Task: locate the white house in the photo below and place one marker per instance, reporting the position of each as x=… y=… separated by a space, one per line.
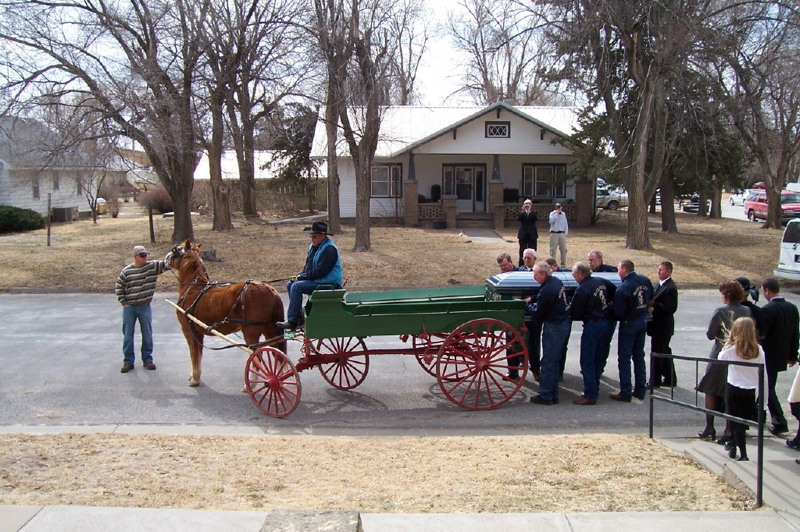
x=467 y=165
x=32 y=165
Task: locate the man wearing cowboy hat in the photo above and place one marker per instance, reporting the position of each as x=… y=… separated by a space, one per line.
x=323 y=267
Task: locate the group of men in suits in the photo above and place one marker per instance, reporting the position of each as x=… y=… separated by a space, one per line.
x=777 y=324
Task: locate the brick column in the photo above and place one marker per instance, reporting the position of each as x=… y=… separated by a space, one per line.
x=449 y=208
x=411 y=203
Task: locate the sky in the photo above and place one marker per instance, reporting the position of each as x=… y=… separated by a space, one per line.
x=439 y=73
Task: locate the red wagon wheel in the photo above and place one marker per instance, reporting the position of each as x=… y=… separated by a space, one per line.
x=473 y=361
x=346 y=371
x=272 y=382
x=427 y=347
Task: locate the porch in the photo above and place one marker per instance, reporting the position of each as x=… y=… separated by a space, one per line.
x=502 y=214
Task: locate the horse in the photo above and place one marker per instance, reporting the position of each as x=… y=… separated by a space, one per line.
x=252 y=307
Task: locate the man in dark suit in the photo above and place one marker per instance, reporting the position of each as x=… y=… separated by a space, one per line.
x=662 y=326
x=778 y=321
x=527 y=234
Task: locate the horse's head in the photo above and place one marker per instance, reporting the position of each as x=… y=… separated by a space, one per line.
x=185 y=260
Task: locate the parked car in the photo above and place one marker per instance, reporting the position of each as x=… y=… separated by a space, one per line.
x=611 y=199
x=738 y=197
x=692 y=204
x=788 y=257
x=756 y=209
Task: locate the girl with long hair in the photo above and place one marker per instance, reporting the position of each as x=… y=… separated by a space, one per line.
x=742 y=381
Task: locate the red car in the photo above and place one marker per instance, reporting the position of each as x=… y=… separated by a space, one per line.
x=756 y=208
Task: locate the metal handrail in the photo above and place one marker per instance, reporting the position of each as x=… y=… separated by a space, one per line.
x=760 y=399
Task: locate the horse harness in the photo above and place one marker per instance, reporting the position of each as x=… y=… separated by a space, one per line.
x=206 y=286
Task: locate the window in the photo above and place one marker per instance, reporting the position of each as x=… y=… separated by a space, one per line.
x=35 y=188
x=545 y=181
x=55 y=182
x=498 y=130
x=387 y=181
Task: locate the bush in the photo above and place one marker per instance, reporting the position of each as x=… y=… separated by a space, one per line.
x=13 y=219
x=158 y=198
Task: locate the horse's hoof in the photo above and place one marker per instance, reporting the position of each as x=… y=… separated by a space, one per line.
x=193 y=383
x=244 y=389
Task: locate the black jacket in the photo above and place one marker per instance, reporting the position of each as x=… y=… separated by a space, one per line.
x=779 y=321
x=665 y=304
x=527 y=225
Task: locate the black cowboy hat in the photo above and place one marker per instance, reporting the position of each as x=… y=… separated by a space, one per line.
x=318 y=228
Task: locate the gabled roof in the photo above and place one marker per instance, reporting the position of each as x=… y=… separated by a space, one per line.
x=28 y=143
x=404 y=128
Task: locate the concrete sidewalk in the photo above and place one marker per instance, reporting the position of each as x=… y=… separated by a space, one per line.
x=781 y=495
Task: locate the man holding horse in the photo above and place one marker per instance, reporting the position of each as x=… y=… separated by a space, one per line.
x=323 y=267
x=134 y=289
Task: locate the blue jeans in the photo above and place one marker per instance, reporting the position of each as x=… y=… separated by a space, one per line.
x=630 y=347
x=554 y=341
x=296 y=290
x=595 y=344
x=130 y=315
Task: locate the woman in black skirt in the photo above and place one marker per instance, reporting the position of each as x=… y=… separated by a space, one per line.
x=714 y=381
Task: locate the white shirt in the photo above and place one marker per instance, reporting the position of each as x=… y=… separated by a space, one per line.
x=745 y=377
x=558 y=222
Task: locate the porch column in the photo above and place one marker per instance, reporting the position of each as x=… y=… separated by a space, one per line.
x=411 y=195
x=496 y=186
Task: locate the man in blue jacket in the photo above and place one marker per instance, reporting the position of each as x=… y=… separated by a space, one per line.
x=591 y=304
x=323 y=267
x=631 y=302
x=552 y=311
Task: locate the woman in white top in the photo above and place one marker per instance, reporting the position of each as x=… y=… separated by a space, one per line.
x=740 y=400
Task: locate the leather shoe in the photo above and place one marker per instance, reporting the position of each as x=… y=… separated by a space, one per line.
x=778 y=429
x=639 y=397
x=287 y=325
x=793 y=443
x=513 y=376
x=584 y=401
x=126 y=368
x=539 y=400
x=619 y=397
x=149 y=365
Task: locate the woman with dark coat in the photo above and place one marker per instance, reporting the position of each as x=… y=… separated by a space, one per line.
x=714 y=382
x=527 y=234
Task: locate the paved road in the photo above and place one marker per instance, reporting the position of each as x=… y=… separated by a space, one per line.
x=60 y=359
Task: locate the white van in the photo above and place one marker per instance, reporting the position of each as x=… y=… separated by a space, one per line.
x=789 y=258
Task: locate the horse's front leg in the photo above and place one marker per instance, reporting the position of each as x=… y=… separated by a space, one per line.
x=196 y=355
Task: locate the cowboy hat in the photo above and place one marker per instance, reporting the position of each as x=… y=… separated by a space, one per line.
x=318 y=228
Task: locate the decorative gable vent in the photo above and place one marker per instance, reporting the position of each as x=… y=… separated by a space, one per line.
x=498 y=130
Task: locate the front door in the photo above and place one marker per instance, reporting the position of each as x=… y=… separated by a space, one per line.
x=468 y=184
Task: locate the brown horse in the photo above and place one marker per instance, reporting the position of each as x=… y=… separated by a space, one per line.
x=250 y=307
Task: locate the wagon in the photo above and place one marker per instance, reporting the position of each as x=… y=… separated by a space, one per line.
x=468 y=342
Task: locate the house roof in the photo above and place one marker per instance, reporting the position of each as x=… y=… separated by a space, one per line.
x=404 y=128
x=28 y=143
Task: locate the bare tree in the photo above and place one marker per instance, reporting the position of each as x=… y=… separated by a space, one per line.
x=135 y=60
x=507 y=51
x=411 y=30
x=759 y=81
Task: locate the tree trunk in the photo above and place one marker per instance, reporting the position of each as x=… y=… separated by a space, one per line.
x=364 y=171
x=637 y=236
x=668 y=224
x=219 y=190
x=331 y=121
x=247 y=169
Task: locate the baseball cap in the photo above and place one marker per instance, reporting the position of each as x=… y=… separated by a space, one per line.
x=558 y=205
x=139 y=250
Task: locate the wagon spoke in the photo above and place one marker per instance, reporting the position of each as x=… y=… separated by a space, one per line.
x=351 y=365
x=473 y=360
x=272 y=382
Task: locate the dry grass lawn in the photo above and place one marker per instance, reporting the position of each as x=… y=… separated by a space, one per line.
x=575 y=473
x=568 y=473
x=87 y=256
